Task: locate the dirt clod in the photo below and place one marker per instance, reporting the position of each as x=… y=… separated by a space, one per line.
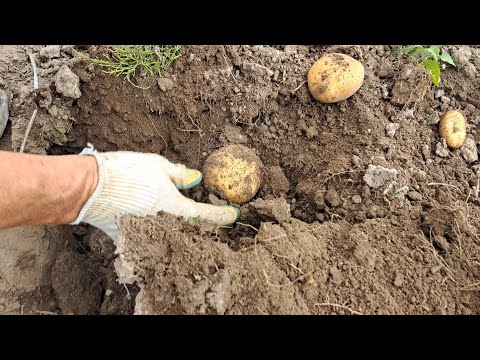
x=276 y=209
x=391 y=129
x=165 y=84
x=277 y=179
x=332 y=198
x=441 y=149
x=50 y=52
x=414 y=196
x=469 y=150
x=377 y=176
x=67 y=83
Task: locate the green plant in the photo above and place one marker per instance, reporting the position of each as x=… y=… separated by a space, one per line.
x=192 y=220
x=127 y=60
x=400 y=192
x=57 y=133
x=430 y=59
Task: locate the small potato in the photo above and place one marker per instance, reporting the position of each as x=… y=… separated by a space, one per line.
x=453 y=128
x=335 y=77
x=234 y=172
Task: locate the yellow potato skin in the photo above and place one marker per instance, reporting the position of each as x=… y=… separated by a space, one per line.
x=335 y=77
x=234 y=172
x=453 y=128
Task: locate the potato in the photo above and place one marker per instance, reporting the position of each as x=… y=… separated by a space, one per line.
x=453 y=128
x=335 y=77
x=234 y=172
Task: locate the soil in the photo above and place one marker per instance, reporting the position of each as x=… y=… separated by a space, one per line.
x=362 y=210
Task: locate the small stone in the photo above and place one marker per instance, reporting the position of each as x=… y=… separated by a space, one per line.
x=469 y=150
x=68 y=49
x=399 y=279
x=276 y=75
x=320 y=217
x=426 y=152
x=336 y=275
x=377 y=176
x=414 y=196
x=332 y=198
x=108 y=292
x=439 y=93
x=433 y=119
x=236 y=90
x=277 y=209
x=67 y=83
x=409 y=114
x=385 y=93
x=53 y=110
x=50 y=52
x=357 y=199
x=216 y=201
x=391 y=128
x=441 y=149
x=445 y=99
x=413 y=299
x=311 y=132
x=165 y=84
x=356 y=160
x=302 y=125
x=3 y=111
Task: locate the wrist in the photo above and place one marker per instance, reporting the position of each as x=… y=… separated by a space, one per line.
x=75 y=187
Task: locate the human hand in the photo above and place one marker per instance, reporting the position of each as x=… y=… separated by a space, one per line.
x=143 y=184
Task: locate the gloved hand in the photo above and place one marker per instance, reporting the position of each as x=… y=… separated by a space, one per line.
x=144 y=184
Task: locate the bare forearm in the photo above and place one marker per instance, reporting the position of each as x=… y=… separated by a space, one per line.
x=38 y=189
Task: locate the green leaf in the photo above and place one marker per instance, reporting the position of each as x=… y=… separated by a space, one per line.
x=57 y=133
x=400 y=192
x=415 y=51
x=445 y=57
x=434 y=69
x=394 y=52
x=192 y=220
x=409 y=49
x=435 y=51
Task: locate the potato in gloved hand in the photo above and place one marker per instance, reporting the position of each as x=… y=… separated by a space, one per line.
x=143 y=184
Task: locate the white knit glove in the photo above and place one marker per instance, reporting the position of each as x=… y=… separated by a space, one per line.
x=144 y=184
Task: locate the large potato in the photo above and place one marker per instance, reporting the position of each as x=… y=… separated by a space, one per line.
x=335 y=77
x=234 y=172
x=453 y=128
